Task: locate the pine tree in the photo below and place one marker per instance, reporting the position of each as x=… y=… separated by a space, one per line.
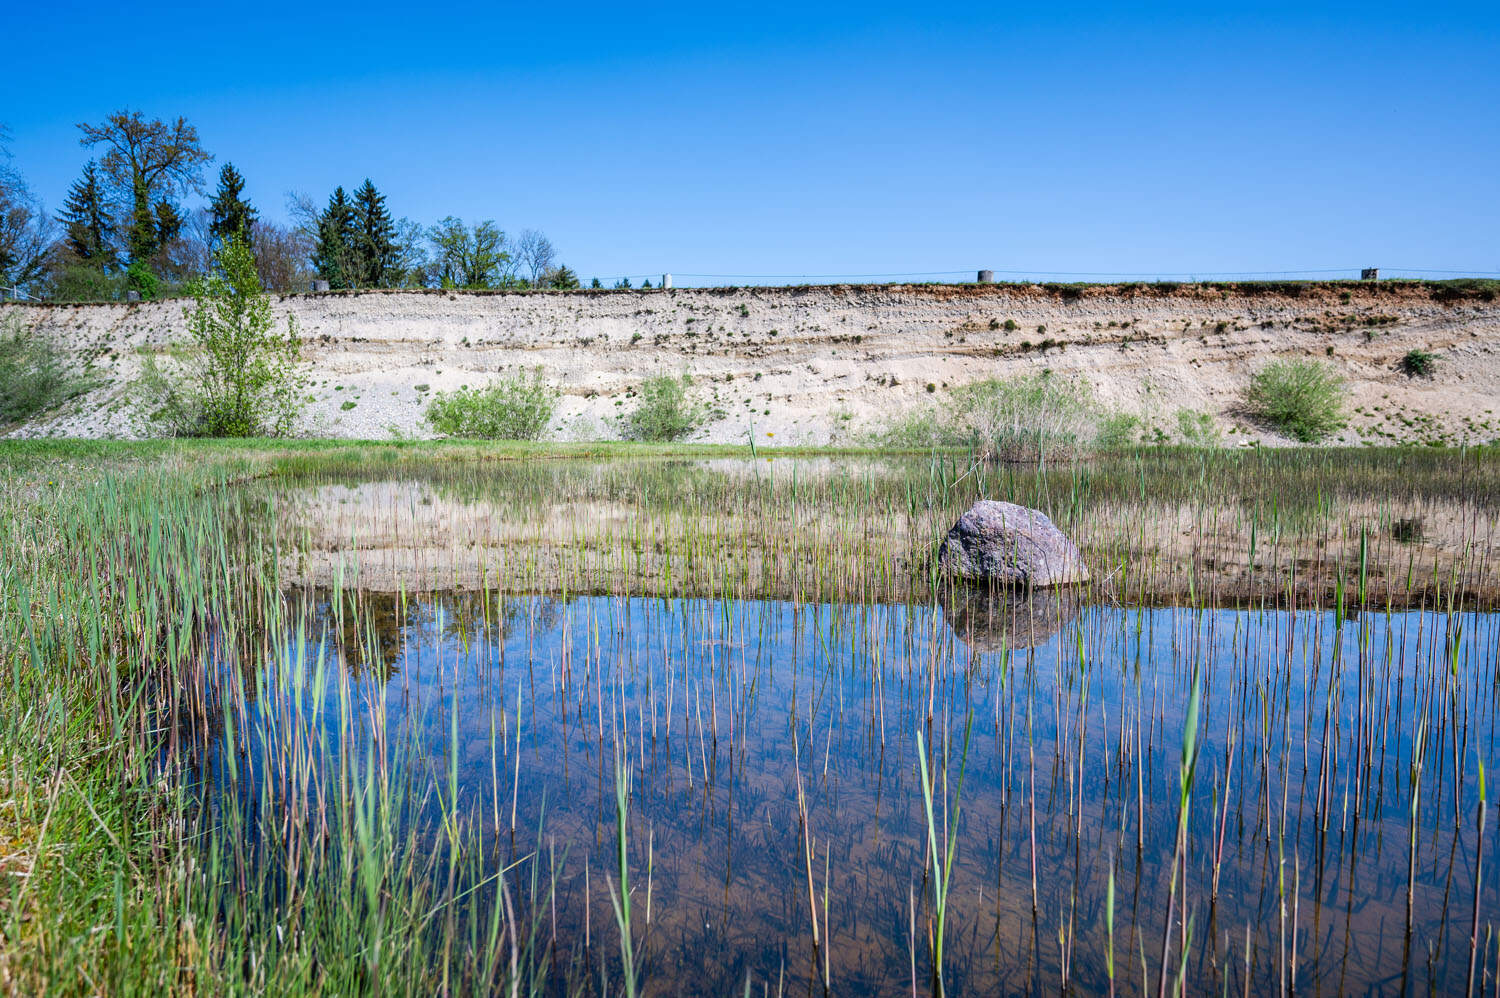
x=375 y=249
x=168 y=223
x=231 y=215
x=561 y=278
x=87 y=221
x=334 y=255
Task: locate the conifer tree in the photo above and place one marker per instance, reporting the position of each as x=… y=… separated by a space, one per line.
x=168 y=223
x=375 y=249
x=231 y=215
x=87 y=221
x=334 y=254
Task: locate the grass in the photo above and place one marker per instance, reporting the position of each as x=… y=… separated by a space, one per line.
x=105 y=739
x=1029 y=418
x=34 y=375
x=157 y=655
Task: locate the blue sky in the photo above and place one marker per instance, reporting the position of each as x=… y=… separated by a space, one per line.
x=802 y=139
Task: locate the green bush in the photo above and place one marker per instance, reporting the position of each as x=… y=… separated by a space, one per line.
x=1302 y=398
x=1027 y=418
x=664 y=411
x=1419 y=363
x=34 y=375
x=513 y=408
x=140 y=277
x=238 y=376
x=79 y=282
x=1118 y=431
x=1198 y=428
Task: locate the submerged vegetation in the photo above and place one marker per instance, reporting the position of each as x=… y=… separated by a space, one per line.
x=265 y=730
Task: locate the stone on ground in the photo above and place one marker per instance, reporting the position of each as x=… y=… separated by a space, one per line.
x=1009 y=545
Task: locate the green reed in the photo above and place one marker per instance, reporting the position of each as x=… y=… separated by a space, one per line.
x=198 y=802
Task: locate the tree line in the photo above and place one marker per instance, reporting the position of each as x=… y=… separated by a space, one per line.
x=124 y=227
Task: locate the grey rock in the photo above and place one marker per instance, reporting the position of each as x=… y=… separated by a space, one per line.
x=1009 y=545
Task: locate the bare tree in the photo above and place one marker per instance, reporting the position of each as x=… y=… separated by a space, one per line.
x=411 y=261
x=281 y=256
x=26 y=230
x=536 y=253
x=304 y=211
x=196 y=244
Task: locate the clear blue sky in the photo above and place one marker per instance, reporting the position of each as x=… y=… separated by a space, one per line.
x=818 y=139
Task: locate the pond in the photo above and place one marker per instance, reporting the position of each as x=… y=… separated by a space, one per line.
x=1245 y=760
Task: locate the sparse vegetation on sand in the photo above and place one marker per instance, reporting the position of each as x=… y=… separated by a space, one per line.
x=515 y=408
x=1302 y=398
x=35 y=375
x=1028 y=418
x=665 y=410
x=1419 y=363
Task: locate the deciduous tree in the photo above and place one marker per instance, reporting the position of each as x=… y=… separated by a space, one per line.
x=281 y=255
x=146 y=163
x=25 y=228
x=468 y=258
x=244 y=377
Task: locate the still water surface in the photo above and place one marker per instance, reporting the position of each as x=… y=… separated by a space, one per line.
x=776 y=797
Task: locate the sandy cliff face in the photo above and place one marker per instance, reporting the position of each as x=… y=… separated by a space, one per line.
x=813 y=365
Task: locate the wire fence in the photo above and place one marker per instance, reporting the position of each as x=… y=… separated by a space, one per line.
x=675 y=279
x=1036 y=277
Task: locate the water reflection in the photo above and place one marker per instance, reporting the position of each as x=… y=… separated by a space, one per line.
x=992 y=619
x=1297 y=841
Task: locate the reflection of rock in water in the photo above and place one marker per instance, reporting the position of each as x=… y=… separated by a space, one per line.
x=987 y=619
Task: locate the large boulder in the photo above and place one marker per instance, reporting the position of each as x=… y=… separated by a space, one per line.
x=1009 y=545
